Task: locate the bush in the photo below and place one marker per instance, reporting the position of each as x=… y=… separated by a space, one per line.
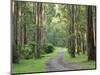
x=49 y=48
x=28 y=51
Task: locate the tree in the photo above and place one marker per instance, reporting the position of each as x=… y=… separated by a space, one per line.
x=38 y=29
x=90 y=35
x=15 y=52
x=94 y=24
x=73 y=31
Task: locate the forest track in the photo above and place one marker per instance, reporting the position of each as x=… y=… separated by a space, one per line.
x=58 y=63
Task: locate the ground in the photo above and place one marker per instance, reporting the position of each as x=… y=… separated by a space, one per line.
x=58 y=63
x=59 y=60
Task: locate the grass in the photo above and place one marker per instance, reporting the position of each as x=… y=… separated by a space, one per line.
x=33 y=65
x=38 y=65
x=80 y=60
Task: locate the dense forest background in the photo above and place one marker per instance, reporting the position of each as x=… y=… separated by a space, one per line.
x=37 y=28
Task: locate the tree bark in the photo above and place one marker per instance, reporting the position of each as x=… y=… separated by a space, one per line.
x=38 y=29
x=73 y=32
x=14 y=33
x=25 y=35
x=90 y=35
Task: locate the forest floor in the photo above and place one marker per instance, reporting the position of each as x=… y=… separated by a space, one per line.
x=58 y=60
x=33 y=65
x=58 y=64
x=61 y=63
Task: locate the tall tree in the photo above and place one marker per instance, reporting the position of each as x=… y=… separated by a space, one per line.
x=90 y=35
x=24 y=25
x=73 y=31
x=94 y=24
x=77 y=32
x=14 y=33
x=38 y=29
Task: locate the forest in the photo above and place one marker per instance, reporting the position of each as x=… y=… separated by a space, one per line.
x=50 y=37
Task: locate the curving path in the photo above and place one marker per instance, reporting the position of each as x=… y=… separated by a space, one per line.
x=57 y=63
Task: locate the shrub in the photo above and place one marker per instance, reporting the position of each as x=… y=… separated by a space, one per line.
x=28 y=50
x=49 y=48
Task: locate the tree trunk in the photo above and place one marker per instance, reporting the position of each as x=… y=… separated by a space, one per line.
x=20 y=26
x=77 y=25
x=14 y=33
x=90 y=35
x=25 y=36
x=38 y=30
x=73 y=33
x=83 y=46
x=94 y=25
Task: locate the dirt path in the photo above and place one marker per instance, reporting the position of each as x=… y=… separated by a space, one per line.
x=57 y=63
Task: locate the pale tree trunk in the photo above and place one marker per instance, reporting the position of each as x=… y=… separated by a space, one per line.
x=38 y=29
x=77 y=34
x=44 y=27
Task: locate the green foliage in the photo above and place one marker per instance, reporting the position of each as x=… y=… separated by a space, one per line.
x=28 y=51
x=49 y=48
x=33 y=65
x=81 y=60
x=56 y=29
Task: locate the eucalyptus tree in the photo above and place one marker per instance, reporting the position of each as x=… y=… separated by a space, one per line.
x=90 y=34
x=38 y=29
x=15 y=16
